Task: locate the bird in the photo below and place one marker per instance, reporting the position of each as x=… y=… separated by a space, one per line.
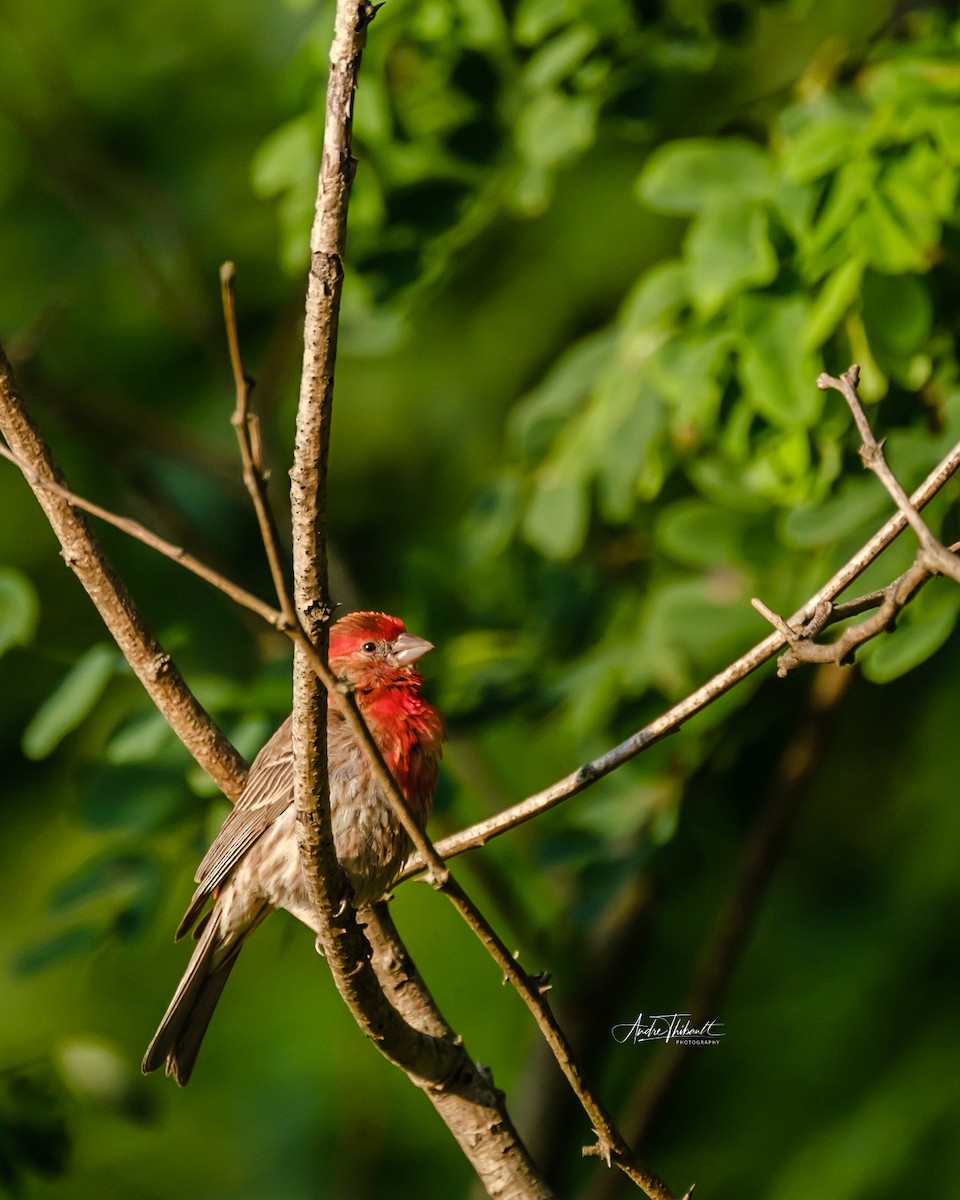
x=253 y=864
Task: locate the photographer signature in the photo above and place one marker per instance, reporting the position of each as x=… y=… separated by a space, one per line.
x=668 y=1027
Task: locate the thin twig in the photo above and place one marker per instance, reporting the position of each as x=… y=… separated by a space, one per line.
x=473 y=1107
x=140 y=533
x=871 y=452
x=84 y=555
x=933 y=558
x=828 y=613
x=587 y=1007
x=888 y=602
x=381 y=1002
x=247 y=427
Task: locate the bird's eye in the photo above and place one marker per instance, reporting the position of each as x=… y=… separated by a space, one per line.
x=368 y=647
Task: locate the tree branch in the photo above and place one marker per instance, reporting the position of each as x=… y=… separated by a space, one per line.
x=936 y=557
x=932 y=559
x=343 y=944
x=475 y=836
x=309 y=472
x=473 y=1108
x=312 y=605
x=152 y=665
x=247 y=427
x=140 y=533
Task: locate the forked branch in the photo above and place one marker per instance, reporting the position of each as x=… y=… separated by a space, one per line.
x=933 y=558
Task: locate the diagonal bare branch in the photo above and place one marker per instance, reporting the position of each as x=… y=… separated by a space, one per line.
x=152 y=665
x=140 y=533
x=935 y=555
x=475 y=836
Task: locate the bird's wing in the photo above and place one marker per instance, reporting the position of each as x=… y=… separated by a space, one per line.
x=265 y=797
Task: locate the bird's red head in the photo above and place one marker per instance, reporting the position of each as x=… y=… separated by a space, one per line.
x=374 y=653
x=369 y=644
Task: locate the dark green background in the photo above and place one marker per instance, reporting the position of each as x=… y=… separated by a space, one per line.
x=571 y=475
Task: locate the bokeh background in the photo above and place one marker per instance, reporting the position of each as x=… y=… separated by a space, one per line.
x=598 y=254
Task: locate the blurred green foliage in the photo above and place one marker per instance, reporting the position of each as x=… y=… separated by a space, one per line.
x=599 y=253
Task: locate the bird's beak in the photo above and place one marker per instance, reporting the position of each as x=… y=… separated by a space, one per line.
x=407 y=649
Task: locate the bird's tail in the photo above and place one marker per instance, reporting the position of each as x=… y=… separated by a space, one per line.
x=177 y=1041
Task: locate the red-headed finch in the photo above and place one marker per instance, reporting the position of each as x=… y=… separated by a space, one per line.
x=253 y=865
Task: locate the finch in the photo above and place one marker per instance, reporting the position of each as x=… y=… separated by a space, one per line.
x=253 y=865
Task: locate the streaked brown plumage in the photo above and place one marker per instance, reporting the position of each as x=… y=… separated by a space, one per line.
x=253 y=865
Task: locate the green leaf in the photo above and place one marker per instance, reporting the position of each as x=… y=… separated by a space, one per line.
x=555 y=59
x=555 y=522
x=777 y=371
x=19 y=609
x=690 y=175
x=285 y=166
x=77 y=942
x=795 y=206
x=833 y=302
x=95 y=1071
x=944 y=124
x=924 y=627
x=33 y=1128
x=143 y=739
x=697 y=534
x=921 y=181
x=482 y=670
x=536 y=19
x=285 y=157
x=844 y=198
x=780 y=467
x=628 y=417
x=67 y=706
x=907 y=82
x=727 y=249
x=855 y=508
x=107 y=873
x=492 y=521
x=886 y=241
x=897 y=314
x=722 y=483
x=690 y=373
x=627 y=801
x=656 y=299
x=705 y=620
x=819 y=137
x=134 y=796
x=543 y=412
x=554 y=128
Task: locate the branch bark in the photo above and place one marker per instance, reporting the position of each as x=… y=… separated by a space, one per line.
x=322 y=875
x=473 y=1108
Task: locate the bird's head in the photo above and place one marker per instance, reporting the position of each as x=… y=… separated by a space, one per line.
x=368 y=648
